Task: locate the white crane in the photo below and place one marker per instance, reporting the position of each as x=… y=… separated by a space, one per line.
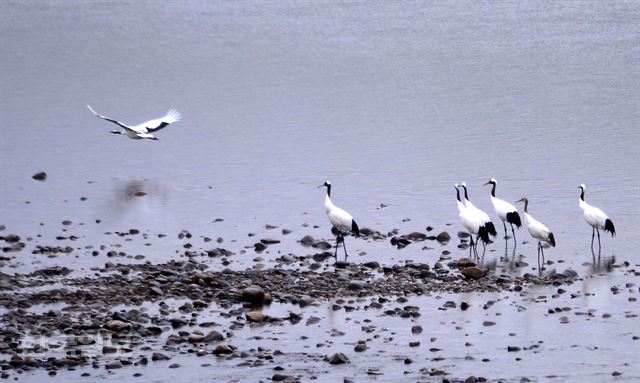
x=145 y=129
x=342 y=221
x=537 y=230
x=486 y=227
x=596 y=218
x=504 y=210
x=469 y=221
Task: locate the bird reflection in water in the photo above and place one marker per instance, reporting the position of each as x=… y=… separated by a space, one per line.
x=601 y=264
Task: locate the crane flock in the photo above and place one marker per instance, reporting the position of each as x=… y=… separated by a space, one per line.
x=475 y=221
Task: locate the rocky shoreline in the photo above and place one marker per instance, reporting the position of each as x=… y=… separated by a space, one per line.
x=91 y=301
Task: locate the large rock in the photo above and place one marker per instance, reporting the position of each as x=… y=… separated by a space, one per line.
x=443 y=237
x=256 y=316
x=253 y=294
x=465 y=262
x=117 y=325
x=213 y=336
x=474 y=272
x=222 y=349
x=338 y=358
x=159 y=356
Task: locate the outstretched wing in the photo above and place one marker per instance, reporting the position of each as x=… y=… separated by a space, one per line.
x=108 y=119
x=160 y=123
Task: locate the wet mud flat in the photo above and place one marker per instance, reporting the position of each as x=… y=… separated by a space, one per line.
x=287 y=324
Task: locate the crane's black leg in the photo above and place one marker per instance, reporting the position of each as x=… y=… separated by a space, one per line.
x=513 y=232
x=505 y=229
x=593 y=234
x=599 y=247
x=335 y=255
x=471 y=245
x=345 y=249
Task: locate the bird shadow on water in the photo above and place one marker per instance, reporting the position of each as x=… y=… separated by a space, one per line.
x=127 y=195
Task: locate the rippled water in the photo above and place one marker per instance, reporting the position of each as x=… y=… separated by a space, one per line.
x=393 y=102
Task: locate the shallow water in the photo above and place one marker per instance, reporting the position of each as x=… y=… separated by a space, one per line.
x=393 y=102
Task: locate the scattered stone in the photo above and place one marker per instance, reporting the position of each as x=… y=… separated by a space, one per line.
x=474 y=272
x=40 y=176
x=338 y=358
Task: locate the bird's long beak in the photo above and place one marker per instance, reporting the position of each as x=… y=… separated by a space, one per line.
x=486 y=183
x=320 y=186
x=520 y=200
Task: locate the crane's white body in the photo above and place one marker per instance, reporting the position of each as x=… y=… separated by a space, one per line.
x=502 y=208
x=537 y=229
x=145 y=129
x=594 y=216
x=338 y=218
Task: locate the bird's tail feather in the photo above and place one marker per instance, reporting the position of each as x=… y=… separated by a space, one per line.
x=173 y=116
x=552 y=240
x=355 y=229
x=483 y=232
x=491 y=229
x=514 y=218
x=608 y=226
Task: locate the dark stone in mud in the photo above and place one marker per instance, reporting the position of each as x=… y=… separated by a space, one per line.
x=322 y=245
x=113 y=365
x=338 y=358
x=372 y=265
x=294 y=318
x=513 y=348
x=222 y=349
x=416 y=236
x=174 y=339
x=305 y=301
x=159 y=356
x=465 y=262
x=474 y=272
x=279 y=377
x=414 y=344
x=40 y=176
x=360 y=347
x=213 y=336
x=408 y=361
x=307 y=240
x=443 y=237
x=357 y=285
x=464 y=306
x=11 y=238
x=259 y=246
x=253 y=294
x=269 y=241
x=417 y=329
x=53 y=271
x=341 y=264
x=488 y=323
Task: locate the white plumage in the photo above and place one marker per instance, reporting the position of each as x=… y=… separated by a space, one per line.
x=595 y=217
x=486 y=227
x=504 y=210
x=342 y=221
x=537 y=229
x=469 y=221
x=145 y=129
